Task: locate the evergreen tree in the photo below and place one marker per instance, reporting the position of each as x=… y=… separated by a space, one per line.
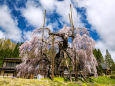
x=16 y=50
x=108 y=60
x=99 y=57
x=5 y=53
x=113 y=67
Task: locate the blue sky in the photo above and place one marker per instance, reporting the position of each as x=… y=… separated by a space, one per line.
x=15 y=5
x=18 y=18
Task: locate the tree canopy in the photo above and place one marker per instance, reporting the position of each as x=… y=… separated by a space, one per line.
x=100 y=60
x=36 y=49
x=108 y=59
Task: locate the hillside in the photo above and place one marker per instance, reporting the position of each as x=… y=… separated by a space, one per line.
x=4 y=44
x=8 y=49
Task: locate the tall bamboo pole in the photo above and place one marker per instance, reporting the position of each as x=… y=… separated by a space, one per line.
x=43 y=32
x=71 y=22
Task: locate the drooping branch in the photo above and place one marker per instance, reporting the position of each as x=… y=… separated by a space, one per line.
x=65 y=40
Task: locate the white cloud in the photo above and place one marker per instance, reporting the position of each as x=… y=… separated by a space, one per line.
x=101 y=14
x=8 y=25
x=27 y=35
x=2 y=35
x=33 y=14
x=52 y=25
x=113 y=55
x=102 y=46
x=49 y=4
x=63 y=9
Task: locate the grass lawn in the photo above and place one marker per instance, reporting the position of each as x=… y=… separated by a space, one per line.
x=100 y=81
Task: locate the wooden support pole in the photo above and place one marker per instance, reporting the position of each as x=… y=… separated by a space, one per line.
x=75 y=69
x=57 y=34
x=83 y=76
x=52 y=60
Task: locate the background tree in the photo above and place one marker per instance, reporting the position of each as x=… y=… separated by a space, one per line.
x=7 y=44
x=108 y=60
x=83 y=44
x=113 y=67
x=99 y=57
x=15 y=52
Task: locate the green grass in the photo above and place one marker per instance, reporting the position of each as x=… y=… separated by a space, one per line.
x=104 y=80
x=58 y=81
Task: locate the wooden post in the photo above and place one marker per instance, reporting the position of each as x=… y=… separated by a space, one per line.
x=2 y=72
x=75 y=69
x=32 y=76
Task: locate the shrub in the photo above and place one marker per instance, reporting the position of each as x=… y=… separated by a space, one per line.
x=113 y=67
x=60 y=79
x=112 y=76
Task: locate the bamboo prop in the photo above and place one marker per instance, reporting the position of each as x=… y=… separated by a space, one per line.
x=72 y=25
x=71 y=21
x=44 y=25
x=67 y=64
x=75 y=69
x=83 y=76
x=43 y=32
x=42 y=35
